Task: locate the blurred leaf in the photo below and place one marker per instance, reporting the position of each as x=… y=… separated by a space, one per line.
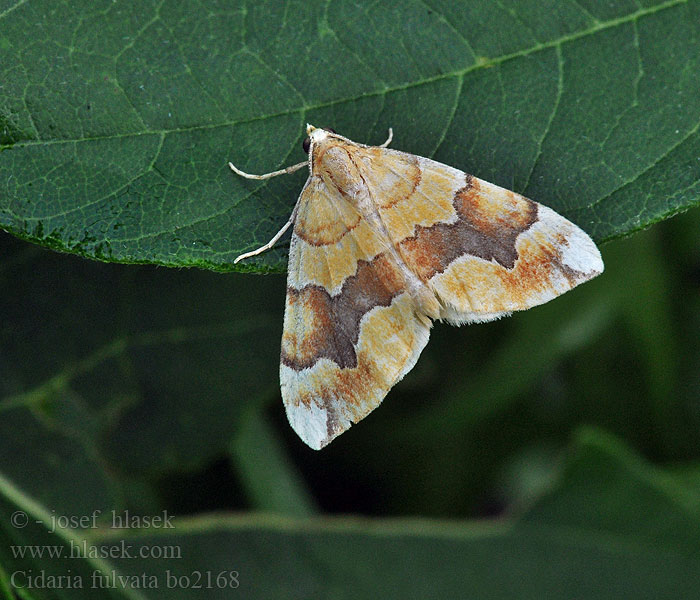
x=611 y=526
x=115 y=130
x=113 y=374
x=44 y=563
x=607 y=489
x=646 y=309
x=266 y=471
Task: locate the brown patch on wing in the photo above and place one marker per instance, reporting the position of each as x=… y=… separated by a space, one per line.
x=488 y=227
x=532 y=275
x=472 y=287
x=325 y=326
x=356 y=384
x=494 y=210
x=391 y=339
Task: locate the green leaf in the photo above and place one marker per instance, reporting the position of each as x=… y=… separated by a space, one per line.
x=610 y=526
x=266 y=471
x=110 y=374
x=116 y=123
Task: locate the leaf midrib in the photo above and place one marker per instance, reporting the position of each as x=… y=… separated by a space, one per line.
x=480 y=64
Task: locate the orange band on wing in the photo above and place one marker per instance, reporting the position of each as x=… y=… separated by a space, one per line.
x=325 y=326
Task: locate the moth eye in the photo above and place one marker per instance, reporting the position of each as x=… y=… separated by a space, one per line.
x=329 y=130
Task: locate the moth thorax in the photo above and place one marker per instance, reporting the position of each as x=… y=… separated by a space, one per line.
x=338 y=169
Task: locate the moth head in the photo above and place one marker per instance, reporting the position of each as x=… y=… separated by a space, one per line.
x=315 y=135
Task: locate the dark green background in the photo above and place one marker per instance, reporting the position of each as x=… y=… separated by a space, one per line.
x=553 y=454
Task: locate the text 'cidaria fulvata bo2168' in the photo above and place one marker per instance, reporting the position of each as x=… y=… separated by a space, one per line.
x=383 y=243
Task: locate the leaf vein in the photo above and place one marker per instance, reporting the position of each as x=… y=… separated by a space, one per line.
x=423 y=81
x=555 y=108
x=450 y=118
x=641 y=173
x=8 y=10
x=451 y=26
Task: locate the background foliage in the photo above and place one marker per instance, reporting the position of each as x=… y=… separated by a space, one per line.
x=552 y=454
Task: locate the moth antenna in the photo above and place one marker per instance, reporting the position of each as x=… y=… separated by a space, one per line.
x=284 y=171
x=388 y=140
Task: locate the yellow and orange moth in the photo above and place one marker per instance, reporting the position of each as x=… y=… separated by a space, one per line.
x=385 y=242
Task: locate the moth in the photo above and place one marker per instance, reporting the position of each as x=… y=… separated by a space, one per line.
x=384 y=243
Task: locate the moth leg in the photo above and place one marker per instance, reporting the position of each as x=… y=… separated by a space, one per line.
x=287 y=225
x=273 y=241
x=284 y=171
x=388 y=140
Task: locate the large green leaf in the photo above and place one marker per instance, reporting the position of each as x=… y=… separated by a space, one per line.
x=612 y=526
x=117 y=119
